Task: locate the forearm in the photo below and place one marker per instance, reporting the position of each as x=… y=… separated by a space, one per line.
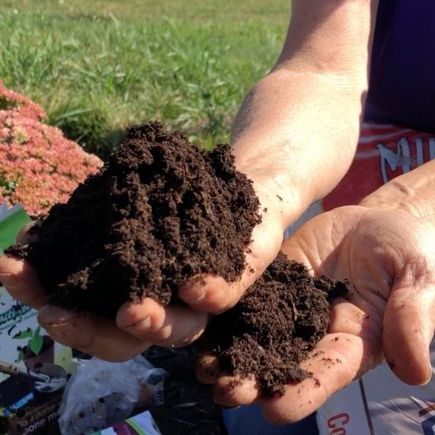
x=412 y=192
x=289 y=133
x=306 y=112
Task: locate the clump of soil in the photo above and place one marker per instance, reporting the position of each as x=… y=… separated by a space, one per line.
x=274 y=326
x=159 y=212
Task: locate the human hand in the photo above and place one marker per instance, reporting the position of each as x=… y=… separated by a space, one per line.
x=169 y=326
x=388 y=257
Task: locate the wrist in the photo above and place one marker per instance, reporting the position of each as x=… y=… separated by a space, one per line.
x=284 y=196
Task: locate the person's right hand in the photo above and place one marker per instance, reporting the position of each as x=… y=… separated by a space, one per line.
x=388 y=259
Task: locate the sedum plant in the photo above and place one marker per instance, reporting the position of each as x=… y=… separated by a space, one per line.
x=39 y=167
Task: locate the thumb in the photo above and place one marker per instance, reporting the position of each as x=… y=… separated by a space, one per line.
x=212 y=294
x=21 y=281
x=408 y=331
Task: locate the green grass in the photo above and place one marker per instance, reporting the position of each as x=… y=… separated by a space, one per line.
x=98 y=66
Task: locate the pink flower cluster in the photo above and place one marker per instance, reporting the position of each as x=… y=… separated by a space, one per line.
x=39 y=167
x=13 y=101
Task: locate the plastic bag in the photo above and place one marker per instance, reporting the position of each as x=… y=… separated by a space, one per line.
x=100 y=393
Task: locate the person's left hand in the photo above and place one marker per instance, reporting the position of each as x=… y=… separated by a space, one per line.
x=139 y=325
x=388 y=258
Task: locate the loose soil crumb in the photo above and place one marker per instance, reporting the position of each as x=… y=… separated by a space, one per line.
x=274 y=326
x=159 y=212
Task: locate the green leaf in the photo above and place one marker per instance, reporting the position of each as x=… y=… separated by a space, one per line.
x=11 y=225
x=28 y=333
x=36 y=342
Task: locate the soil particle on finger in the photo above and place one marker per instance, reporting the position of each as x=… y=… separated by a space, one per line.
x=274 y=326
x=159 y=212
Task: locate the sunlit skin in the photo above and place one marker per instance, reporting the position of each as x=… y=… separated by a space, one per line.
x=274 y=147
x=295 y=137
x=388 y=260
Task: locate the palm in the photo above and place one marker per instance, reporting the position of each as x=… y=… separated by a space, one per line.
x=388 y=260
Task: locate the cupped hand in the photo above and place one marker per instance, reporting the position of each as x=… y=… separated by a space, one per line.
x=139 y=325
x=388 y=259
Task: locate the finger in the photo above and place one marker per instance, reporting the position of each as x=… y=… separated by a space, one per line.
x=213 y=294
x=207 y=369
x=166 y=326
x=21 y=281
x=408 y=330
x=346 y=317
x=336 y=361
x=232 y=391
x=347 y=321
x=90 y=334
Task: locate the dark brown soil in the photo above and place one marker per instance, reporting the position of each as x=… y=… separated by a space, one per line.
x=274 y=326
x=160 y=211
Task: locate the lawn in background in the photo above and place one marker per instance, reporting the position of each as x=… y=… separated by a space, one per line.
x=97 y=66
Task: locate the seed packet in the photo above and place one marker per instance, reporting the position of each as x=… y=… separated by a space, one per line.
x=33 y=368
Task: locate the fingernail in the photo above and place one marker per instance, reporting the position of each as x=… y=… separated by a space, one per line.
x=142 y=325
x=54 y=316
x=193 y=291
x=145 y=323
x=194 y=295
